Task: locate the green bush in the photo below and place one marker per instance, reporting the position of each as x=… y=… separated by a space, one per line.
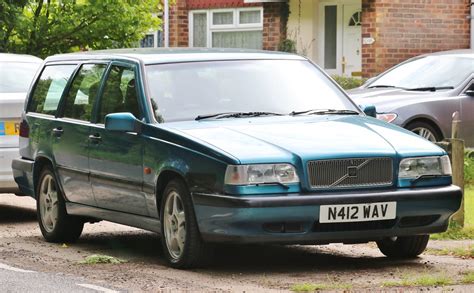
x=469 y=167
x=348 y=83
x=288 y=46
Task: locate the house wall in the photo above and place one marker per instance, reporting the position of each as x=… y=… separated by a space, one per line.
x=274 y=22
x=302 y=27
x=406 y=28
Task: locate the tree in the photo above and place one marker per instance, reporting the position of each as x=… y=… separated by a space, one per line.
x=46 y=27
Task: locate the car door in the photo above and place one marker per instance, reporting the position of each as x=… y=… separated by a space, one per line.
x=467 y=116
x=116 y=158
x=71 y=132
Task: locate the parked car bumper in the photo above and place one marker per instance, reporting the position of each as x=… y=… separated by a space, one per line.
x=23 y=175
x=7 y=183
x=294 y=219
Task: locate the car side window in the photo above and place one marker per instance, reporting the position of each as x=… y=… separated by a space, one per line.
x=83 y=92
x=120 y=93
x=49 y=88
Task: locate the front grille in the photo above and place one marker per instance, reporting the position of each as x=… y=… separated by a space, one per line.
x=357 y=226
x=343 y=173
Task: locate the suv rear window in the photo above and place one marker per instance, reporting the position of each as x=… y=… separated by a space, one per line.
x=49 y=88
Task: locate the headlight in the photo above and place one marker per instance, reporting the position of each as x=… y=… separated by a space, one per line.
x=260 y=174
x=387 y=117
x=425 y=166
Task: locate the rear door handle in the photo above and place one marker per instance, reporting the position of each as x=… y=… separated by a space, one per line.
x=95 y=138
x=58 y=131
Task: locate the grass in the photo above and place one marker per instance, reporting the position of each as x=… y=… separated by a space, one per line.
x=101 y=259
x=308 y=287
x=421 y=281
x=468 y=278
x=457 y=251
x=459 y=233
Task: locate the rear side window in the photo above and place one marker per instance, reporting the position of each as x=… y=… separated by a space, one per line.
x=49 y=88
x=83 y=92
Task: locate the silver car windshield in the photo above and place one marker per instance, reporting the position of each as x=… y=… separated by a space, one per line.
x=428 y=72
x=184 y=91
x=16 y=77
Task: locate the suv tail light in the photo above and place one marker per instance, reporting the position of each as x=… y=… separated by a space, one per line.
x=24 y=129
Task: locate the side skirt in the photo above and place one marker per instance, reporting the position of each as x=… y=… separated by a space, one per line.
x=146 y=223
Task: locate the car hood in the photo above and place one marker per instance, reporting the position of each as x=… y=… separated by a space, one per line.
x=387 y=99
x=295 y=139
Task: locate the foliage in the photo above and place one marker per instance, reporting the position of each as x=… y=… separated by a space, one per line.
x=101 y=259
x=468 y=278
x=288 y=46
x=424 y=281
x=456 y=232
x=348 y=83
x=461 y=252
x=469 y=167
x=43 y=28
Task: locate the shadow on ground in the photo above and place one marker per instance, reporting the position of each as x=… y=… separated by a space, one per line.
x=12 y=214
x=145 y=247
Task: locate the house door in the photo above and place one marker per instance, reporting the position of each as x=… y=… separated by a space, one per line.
x=340 y=37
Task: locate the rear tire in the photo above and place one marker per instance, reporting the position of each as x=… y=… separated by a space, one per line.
x=180 y=236
x=54 y=222
x=404 y=247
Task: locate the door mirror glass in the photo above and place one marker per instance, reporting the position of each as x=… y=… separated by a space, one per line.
x=369 y=110
x=123 y=122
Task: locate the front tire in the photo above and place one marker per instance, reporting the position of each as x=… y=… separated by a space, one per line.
x=180 y=237
x=54 y=222
x=404 y=247
x=425 y=130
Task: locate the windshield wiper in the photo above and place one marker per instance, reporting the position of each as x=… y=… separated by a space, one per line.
x=383 y=86
x=236 y=115
x=431 y=88
x=324 y=112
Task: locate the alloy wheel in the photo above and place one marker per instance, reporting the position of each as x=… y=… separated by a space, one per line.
x=425 y=133
x=48 y=198
x=174 y=222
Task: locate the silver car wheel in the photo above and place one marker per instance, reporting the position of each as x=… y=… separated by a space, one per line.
x=48 y=202
x=174 y=224
x=425 y=133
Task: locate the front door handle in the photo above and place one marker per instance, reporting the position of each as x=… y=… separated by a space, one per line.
x=58 y=131
x=95 y=138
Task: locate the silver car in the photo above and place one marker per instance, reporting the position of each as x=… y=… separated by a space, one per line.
x=16 y=74
x=422 y=93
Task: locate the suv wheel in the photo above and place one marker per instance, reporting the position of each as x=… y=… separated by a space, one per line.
x=180 y=237
x=403 y=247
x=54 y=222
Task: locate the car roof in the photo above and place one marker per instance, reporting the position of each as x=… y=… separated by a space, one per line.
x=9 y=57
x=172 y=55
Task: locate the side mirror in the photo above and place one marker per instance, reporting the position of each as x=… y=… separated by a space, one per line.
x=369 y=110
x=123 y=122
x=469 y=93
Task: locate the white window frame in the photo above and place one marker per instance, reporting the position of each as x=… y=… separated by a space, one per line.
x=234 y=27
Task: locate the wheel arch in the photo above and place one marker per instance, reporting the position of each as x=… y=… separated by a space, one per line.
x=162 y=180
x=428 y=121
x=40 y=163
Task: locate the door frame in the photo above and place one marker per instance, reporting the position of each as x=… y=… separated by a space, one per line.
x=339 y=32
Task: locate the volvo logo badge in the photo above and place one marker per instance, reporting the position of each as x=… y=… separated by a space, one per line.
x=352 y=171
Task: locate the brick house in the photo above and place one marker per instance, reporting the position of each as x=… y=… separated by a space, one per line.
x=345 y=37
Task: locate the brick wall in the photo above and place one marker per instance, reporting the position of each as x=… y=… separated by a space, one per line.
x=406 y=28
x=274 y=20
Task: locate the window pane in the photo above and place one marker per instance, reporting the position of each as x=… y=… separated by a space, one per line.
x=220 y=18
x=15 y=77
x=330 y=37
x=244 y=39
x=49 y=88
x=83 y=92
x=120 y=93
x=200 y=30
x=148 y=41
x=250 y=16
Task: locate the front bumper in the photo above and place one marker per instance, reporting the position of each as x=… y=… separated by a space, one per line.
x=294 y=218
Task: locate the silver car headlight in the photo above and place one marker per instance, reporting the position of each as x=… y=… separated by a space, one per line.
x=260 y=174
x=425 y=166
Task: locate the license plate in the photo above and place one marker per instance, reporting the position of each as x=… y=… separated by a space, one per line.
x=9 y=128
x=358 y=212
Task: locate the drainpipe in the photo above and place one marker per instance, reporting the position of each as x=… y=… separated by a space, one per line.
x=166 y=21
x=472 y=24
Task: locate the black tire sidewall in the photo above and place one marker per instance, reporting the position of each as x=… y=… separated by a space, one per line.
x=420 y=124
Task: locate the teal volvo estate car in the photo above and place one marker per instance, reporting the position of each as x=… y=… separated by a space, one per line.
x=207 y=146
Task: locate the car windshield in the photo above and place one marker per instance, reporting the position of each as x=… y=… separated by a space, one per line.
x=444 y=72
x=15 y=77
x=186 y=91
